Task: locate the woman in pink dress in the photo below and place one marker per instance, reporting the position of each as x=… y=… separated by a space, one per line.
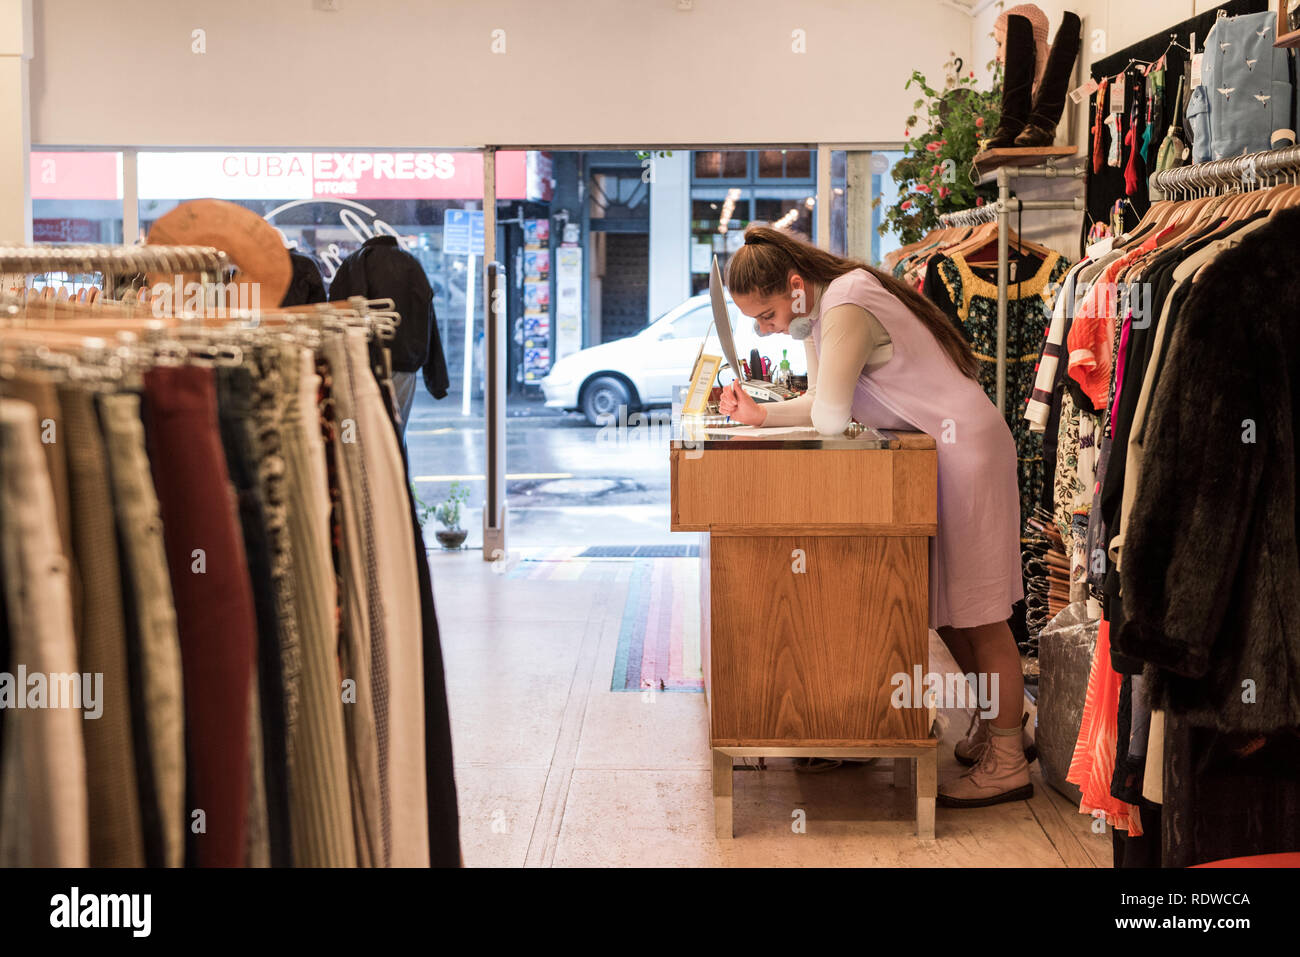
x=880 y=353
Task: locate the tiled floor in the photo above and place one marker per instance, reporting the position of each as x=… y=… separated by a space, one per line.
x=554 y=769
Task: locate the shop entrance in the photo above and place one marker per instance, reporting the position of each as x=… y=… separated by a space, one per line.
x=629 y=241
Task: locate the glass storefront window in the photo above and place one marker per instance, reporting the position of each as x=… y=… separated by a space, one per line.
x=795 y=215
x=717 y=229
x=76 y=197
x=785 y=164
x=326 y=205
x=773 y=186
x=883 y=186
x=721 y=164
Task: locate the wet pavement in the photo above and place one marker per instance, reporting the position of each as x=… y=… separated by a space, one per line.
x=568 y=483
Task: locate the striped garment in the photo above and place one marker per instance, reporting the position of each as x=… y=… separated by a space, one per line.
x=1039 y=408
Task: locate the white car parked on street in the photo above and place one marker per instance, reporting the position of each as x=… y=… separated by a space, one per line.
x=640 y=371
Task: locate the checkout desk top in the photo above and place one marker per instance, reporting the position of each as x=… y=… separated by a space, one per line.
x=709 y=432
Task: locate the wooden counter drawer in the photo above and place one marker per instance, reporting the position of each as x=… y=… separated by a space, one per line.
x=822 y=491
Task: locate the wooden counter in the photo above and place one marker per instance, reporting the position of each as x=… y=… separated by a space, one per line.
x=814 y=594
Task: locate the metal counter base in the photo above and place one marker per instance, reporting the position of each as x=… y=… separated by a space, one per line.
x=924 y=756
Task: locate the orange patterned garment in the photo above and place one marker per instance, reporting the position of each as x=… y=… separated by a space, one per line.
x=1093 y=763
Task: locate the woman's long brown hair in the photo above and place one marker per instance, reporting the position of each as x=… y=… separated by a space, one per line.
x=762 y=267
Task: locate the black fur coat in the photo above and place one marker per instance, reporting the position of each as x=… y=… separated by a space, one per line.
x=1211 y=570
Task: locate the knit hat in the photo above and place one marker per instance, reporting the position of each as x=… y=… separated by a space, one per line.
x=1038 y=23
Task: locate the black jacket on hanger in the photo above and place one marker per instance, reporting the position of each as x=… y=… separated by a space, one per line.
x=306 y=285
x=1211 y=570
x=381 y=269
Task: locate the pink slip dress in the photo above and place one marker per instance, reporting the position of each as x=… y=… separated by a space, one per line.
x=975 y=573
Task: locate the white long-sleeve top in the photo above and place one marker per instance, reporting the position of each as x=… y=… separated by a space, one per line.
x=853 y=342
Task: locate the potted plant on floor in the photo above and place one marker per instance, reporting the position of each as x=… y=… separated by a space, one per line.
x=447 y=512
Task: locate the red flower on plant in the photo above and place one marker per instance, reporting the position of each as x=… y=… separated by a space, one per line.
x=944 y=192
x=979 y=122
x=922 y=188
x=933 y=147
x=905 y=205
x=979 y=200
x=934 y=171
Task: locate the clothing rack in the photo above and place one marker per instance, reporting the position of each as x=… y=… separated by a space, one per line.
x=1000 y=212
x=1002 y=209
x=119 y=260
x=212 y=265
x=973 y=216
x=1239 y=173
x=84 y=356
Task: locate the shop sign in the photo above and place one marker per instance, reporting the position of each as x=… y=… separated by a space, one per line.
x=379 y=175
x=65 y=231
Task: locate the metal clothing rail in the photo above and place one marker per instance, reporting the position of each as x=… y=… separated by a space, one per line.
x=118 y=260
x=1007 y=204
x=973 y=216
x=1000 y=212
x=1239 y=173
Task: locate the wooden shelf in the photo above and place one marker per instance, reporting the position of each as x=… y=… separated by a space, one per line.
x=1291 y=39
x=1020 y=156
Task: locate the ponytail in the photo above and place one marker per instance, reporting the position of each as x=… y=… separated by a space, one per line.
x=762 y=267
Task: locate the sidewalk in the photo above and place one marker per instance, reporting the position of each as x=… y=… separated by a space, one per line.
x=429 y=412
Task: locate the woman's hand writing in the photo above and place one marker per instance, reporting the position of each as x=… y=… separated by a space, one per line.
x=738 y=404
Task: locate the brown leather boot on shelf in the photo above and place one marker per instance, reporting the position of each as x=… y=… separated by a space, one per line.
x=969 y=750
x=1002 y=774
x=1017 y=84
x=1049 y=104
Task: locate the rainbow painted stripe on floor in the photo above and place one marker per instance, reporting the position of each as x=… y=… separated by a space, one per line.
x=659 y=635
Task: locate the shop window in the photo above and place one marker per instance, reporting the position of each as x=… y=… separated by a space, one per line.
x=794 y=215
x=717 y=229
x=721 y=164
x=616 y=195
x=76 y=197
x=326 y=204
x=785 y=164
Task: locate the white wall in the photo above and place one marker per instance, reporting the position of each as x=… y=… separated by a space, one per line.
x=15 y=144
x=421 y=73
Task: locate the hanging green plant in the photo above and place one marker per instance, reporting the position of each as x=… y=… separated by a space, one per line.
x=941 y=139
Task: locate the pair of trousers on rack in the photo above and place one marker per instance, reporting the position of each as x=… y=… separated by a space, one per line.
x=75 y=467
x=251 y=403
x=444 y=824
x=320 y=813
x=214 y=605
x=382 y=629
x=116 y=834
x=153 y=643
x=43 y=796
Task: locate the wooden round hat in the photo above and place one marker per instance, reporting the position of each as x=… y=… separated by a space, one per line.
x=253 y=244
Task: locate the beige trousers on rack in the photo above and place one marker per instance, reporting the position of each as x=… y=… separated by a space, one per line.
x=361 y=628
x=140 y=536
x=319 y=813
x=399 y=580
x=44 y=815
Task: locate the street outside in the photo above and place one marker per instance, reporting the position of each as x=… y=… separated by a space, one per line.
x=568 y=483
